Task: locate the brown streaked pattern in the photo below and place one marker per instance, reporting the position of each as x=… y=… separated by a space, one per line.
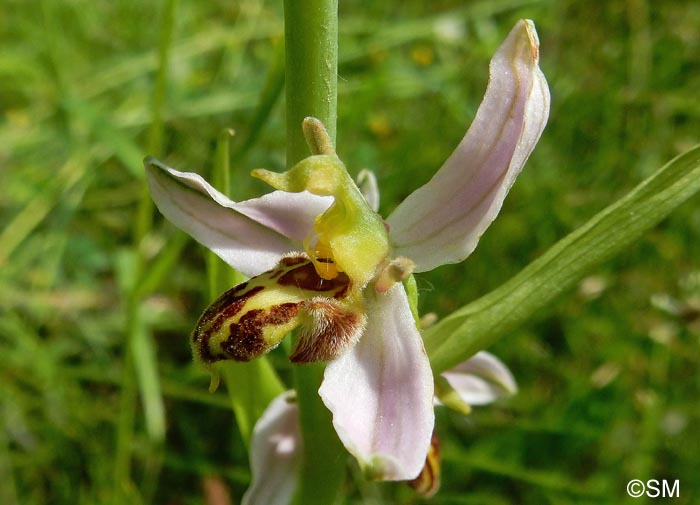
x=233 y=306
x=342 y=292
x=231 y=300
x=246 y=340
x=225 y=307
x=276 y=273
x=428 y=481
x=233 y=328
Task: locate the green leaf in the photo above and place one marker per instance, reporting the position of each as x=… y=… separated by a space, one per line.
x=251 y=387
x=482 y=322
x=146 y=366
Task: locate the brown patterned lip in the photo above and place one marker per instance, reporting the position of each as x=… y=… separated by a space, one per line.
x=246 y=340
x=227 y=305
x=245 y=337
x=231 y=305
x=239 y=332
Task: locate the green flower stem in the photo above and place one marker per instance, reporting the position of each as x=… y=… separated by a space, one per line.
x=155 y=133
x=311 y=40
x=482 y=322
x=311 y=73
x=323 y=467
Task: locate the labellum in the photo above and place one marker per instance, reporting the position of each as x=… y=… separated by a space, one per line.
x=251 y=319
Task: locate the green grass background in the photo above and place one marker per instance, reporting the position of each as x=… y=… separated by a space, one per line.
x=609 y=378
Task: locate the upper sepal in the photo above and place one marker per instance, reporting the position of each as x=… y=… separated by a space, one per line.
x=442 y=221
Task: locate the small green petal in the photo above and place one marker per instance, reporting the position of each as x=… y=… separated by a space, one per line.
x=449 y=396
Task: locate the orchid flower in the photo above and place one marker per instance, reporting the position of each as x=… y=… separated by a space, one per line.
x=275 y=454
x=323 y=262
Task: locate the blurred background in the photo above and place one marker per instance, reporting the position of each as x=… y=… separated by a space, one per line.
x=609 y=377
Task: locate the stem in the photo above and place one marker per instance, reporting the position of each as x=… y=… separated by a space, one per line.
x=155 y=134
x=311 y=40
x=323 y=466
x=220 y=276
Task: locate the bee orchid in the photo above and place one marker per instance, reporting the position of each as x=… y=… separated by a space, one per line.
x=324 y=263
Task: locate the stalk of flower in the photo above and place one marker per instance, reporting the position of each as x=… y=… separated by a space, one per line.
x=323 y=262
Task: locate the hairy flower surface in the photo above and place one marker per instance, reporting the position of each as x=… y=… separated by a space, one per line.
x=322 y=261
